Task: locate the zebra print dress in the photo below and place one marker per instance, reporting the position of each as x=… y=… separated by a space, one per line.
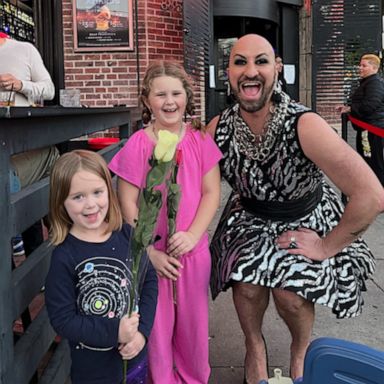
x=243 y=247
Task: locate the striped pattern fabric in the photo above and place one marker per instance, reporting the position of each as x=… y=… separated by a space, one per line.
x=243 y=246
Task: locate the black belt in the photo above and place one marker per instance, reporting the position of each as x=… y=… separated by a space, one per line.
x=283 y=210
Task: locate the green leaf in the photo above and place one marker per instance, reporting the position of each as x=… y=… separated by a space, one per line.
x=158 y=173
x=173 y=200
x=149 y=206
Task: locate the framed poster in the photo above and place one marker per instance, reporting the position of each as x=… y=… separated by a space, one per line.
x=102 y=25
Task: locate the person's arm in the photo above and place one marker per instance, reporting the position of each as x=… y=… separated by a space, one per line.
x=182 y=242
x=346 y=108
x=209 y=203
x=351 y=174
x=130 y=164
x=147 y=310
x=148 y=301
x=211 y=126
x=341 y=108
x=40 y=82
x=128 y=195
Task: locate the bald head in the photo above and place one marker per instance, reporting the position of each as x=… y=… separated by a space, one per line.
x=252 y=43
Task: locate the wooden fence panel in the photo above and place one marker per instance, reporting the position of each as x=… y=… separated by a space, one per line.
x=28 y=129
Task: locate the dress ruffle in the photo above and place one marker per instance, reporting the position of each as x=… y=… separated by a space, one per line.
x=244 y=246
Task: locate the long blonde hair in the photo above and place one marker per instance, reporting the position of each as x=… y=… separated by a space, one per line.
x=60 y=183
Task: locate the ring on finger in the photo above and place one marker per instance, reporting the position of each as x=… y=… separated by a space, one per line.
x=292 y=239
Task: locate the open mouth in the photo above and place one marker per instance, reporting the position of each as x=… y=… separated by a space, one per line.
x=91 y=216
x=251 y=88
x=170 y=110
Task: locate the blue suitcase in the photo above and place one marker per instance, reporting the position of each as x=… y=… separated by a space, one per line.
x=335 y=361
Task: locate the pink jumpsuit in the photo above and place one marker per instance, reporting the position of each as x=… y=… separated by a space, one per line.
x=178 y=346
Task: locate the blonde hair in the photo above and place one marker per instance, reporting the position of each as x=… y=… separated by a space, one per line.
x=171 y=69
x=60 y=183
x=373 y=59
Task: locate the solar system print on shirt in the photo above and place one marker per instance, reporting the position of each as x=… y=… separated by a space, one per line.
x=103 y=287
x=87 y=284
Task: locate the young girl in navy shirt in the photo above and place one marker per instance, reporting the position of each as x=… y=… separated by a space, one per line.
x=88 y=284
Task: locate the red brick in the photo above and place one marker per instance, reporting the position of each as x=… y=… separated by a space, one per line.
x=115 y=73
x=92 y=70
x=93 y=83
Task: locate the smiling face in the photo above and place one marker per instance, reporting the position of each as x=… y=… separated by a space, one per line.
x=252 y=72
x=167 y=99
x=87 y=205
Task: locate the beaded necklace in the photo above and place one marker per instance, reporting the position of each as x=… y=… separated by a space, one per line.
x=258 y=146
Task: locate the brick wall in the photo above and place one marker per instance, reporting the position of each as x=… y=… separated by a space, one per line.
x=110 y=78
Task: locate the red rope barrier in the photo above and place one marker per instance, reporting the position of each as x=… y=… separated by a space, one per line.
x=369 y=127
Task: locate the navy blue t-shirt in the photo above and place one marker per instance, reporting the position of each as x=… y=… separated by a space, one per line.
x=87 y=291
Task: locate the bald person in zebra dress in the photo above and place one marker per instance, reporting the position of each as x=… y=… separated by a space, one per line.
x=284 y=231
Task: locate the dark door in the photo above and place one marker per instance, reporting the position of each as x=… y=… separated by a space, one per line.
x=49 y=40
x=222 y=91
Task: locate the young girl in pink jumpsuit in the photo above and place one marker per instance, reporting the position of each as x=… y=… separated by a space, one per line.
x=178 y=344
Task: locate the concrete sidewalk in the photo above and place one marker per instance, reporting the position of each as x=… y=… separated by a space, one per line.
x=226 y=340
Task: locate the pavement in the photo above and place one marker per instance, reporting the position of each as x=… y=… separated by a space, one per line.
x=227 y=349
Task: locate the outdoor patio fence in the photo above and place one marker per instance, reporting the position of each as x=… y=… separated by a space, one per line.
x=33 y=356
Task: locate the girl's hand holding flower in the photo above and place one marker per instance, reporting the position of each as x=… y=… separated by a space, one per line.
x=128 y=327
x=130 y=350
x=181 y=243
x=165 y=265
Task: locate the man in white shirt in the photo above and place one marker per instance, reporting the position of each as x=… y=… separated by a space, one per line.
x=22 y=70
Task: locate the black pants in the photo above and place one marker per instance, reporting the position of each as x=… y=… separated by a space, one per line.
x=377 y=155
x=32 y=237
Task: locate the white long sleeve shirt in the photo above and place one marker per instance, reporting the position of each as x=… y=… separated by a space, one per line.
x=23 y=60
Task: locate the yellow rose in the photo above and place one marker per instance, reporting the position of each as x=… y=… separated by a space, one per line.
x=166 y=146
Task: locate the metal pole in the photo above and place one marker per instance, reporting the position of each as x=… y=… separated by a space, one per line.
x=344 y=135
x=344 y=126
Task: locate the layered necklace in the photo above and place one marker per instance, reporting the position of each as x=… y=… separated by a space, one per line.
x=258 y=146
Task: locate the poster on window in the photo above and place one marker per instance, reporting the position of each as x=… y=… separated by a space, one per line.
x=103 y=25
